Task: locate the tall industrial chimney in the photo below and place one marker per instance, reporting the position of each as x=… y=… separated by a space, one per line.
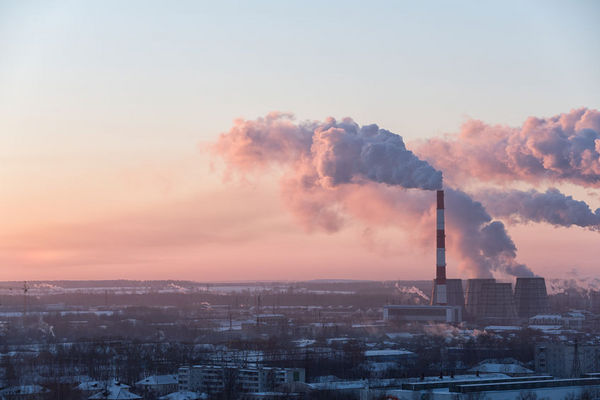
x=441 y=297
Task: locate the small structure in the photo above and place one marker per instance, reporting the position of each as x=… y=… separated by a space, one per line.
x=158 y=384
x=390 y=355
x=25 y=392
x=115 y=392
x=88 y=388
x=184 y=395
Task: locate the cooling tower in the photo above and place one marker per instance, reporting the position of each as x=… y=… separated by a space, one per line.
x=473 y=306
x=454 y=293
x=496 y=301
x=456 y=296
x=531 y=297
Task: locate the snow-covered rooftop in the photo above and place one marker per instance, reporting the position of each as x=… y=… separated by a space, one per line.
x=184 y=395
x=501 y=368
x=22 y=390
x=387 y=352
x=114 y=392
x=158 y=380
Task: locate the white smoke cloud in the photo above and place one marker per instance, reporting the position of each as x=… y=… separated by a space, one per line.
x=335 y=170
x=552 y=207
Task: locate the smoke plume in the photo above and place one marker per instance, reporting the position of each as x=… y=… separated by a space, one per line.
x=552 y=207
x=338 y=170
x=337 y=152
x=563 y=148
x=483 y=244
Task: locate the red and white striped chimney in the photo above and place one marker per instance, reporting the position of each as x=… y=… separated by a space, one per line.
x=440 y=265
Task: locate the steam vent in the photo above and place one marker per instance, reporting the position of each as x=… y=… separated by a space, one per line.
x=531 y=297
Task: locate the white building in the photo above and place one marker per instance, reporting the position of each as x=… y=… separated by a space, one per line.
x=215 y=378
x=570 y=320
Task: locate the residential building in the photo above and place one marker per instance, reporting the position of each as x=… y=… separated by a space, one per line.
x=247 y=379
x=564 y=360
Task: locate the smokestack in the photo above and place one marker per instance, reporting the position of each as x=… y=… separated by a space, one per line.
x=440 y=265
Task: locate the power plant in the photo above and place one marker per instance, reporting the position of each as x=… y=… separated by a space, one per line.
x=486 y=299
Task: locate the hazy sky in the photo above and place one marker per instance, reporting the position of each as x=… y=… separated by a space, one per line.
x=106 y=108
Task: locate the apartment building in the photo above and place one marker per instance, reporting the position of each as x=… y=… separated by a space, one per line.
x=247 y=379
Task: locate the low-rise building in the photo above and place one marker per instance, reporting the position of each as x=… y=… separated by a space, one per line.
x=158 y=384
x=569 y=320
x=247 y=379
x=492 y=388
x=115 y=392
x=422 y=313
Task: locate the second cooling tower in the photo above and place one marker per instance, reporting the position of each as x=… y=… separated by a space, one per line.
x=531 y=297
x=488 y=299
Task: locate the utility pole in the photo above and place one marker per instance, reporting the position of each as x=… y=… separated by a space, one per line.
x=576 y=370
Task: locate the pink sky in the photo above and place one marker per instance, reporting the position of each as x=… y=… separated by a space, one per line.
x=181 y=220
x=106 y=110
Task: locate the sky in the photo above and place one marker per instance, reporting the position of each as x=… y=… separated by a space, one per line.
x=108 y=109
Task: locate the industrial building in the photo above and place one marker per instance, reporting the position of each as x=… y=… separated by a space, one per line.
x=422 y=313
x=215 y=378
